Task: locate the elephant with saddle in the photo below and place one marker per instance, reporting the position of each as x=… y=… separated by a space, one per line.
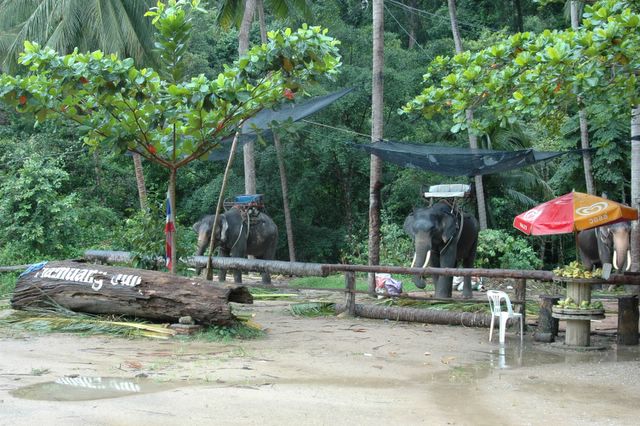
x=240 y=232
x=443 y=237
x=606 y=244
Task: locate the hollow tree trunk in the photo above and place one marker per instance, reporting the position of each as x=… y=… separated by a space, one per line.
x=99 y=289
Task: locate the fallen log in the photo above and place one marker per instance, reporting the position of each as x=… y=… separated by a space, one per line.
x=429 y=316
x=99 y=289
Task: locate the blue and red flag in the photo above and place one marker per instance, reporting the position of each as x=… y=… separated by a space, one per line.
x=169 y=231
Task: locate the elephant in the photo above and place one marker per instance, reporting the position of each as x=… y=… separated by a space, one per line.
x=606 y=244
x=443 y=237
x=239 y=234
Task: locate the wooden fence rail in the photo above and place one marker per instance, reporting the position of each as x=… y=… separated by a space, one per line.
x=323 y=270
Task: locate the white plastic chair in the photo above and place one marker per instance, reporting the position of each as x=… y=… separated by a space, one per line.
x=495 y=299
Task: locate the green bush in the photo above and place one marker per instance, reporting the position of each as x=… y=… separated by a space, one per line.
x=499 y=249
x=143 y=235
x=396 y=247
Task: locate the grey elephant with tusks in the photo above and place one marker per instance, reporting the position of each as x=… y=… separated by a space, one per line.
x=237 y=235
x=443 y=238
x=606 y=244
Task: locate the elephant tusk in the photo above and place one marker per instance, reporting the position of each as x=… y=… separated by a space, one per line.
x=615 y=259
x=413 y=262
x=628 y=260
x=426 y=261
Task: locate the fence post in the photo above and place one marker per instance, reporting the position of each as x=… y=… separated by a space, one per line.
x=628 y=320
x=350 y=284
x=521 y=296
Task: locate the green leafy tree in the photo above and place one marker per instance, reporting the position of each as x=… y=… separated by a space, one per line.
x=545 y=76
x=167 y=121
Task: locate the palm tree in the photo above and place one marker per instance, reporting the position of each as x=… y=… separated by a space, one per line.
x=635 y=187
x=113 y=26
x=473 y=139
x=584 y=125
x=377 y=110
x=239 y=13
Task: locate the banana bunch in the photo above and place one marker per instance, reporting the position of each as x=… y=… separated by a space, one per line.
x=569 y=303
x=576 y=270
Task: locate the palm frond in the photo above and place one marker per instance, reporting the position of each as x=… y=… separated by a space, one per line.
x=230 y=14
x=36 y=27
x=313 y=309
x=47 y=321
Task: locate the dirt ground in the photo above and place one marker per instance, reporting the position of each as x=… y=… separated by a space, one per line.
x=317 y=371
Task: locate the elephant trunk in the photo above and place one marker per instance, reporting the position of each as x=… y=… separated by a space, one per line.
x=203 y=243
x=421 y=256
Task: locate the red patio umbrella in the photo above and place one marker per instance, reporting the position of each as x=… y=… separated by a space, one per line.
x=572 y=212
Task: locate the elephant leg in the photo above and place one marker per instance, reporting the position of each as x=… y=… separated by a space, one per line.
x=467 y=289
x=444 y=288
x=222 y=274
x=237 y=276
x=435 y=262
x=269 y=254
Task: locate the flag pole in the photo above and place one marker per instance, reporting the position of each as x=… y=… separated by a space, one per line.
x=170 y=228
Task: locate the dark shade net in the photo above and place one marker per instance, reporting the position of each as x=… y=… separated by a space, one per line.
x=455 y=161
x=261 y=122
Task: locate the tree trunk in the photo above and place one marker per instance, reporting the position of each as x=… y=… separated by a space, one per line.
x=263 y=25
x=517 y=16
x=142 y=189
x=584 y=125
x=99 y=289
x=413 y=23
x=429 y=316
x=285 y=197
x=249 y=147
x=635 y=187
x=276 y=140
x=473 y=139
x=377 y=106
x=575 y=19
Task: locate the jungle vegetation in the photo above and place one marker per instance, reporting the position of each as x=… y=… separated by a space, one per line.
x=60 y=196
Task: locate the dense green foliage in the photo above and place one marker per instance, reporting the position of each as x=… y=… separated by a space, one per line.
x=58 y=197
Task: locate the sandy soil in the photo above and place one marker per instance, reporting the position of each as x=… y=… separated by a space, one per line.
x=317 y=371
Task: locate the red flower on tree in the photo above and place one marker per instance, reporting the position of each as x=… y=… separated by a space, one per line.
x=288 y=93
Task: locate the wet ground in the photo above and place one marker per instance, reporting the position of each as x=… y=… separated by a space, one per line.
x=317 y=371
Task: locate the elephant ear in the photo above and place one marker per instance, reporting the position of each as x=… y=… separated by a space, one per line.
x=604 y=234
x=196 y=226
x=449 y=228
x=408 y=225
x=225 y=228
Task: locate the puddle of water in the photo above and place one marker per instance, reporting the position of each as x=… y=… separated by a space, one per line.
x=89 y=388
x=516 y=356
